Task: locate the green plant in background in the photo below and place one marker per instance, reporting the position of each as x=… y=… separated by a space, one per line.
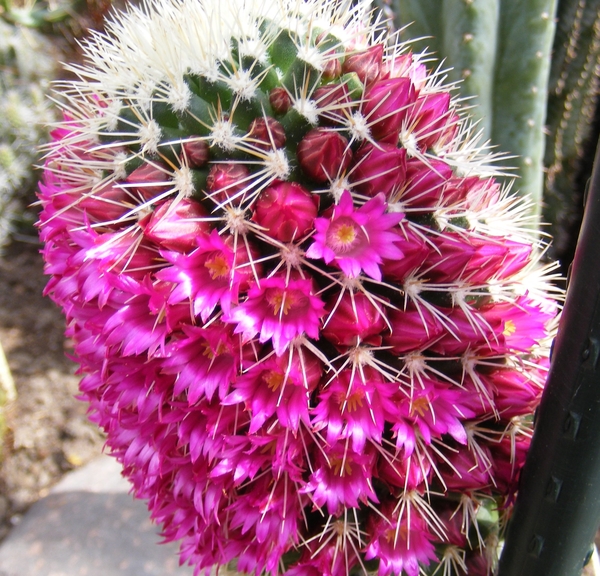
x=28 y=62
x=533 y=91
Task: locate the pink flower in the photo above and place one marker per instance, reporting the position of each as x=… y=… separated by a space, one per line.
x=401 y=545
x=356 y=240
x=279 y=310
x=213 y=274
x=204 y=361
x=341 y=478
x=278 y=386
x=350 y=408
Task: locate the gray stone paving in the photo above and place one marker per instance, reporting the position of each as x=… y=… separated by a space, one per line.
x=89 y=525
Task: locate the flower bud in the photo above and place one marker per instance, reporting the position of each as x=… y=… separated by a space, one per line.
x=412 y=329
x=195 y=152
x=107 y=204
x=280 y=100
x=324 y=154
x=428 y=117
x=332 y=68
x=353 y=320
x=266 y=133
x=286 y=210
x=415 y=251
x=226 y=181
x=380 y=168
x=385 y=106
x=367 y=64
x=177 y=225
x=426 y=184
x=333 y=103
x=150 y=180
x=449 y=258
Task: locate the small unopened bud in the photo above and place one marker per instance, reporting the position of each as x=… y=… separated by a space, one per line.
x=412 y=329
x=196 y=153
x=415 y=252
x=266 y=133
x=429 y=117
x=280 y=100
x=150 y=180
x=226 y=182
x=332 y=67
x=287 y=211
x=324 y=154
x=380 y=168
x=354 y=320
x=177 y=225
x=333 y=103
x=107 y=204
x=366 y=64
x=385 y=106
x=425 y=184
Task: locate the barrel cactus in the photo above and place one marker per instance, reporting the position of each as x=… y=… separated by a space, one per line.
x=311 y=322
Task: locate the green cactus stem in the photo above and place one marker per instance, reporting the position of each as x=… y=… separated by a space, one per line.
x=573 y=94
x=525 y=39
x=558 y=505
x=471 y=50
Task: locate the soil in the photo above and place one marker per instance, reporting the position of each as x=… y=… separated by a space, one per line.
x=47 y=433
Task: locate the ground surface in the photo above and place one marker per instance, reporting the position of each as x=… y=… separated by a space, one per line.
x=48 y=431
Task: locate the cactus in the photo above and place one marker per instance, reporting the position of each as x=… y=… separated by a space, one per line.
x=308 y=317
x=558 y=505
x=573 y=97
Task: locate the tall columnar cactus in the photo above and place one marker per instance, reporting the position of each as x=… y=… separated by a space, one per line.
x=573 y=96
x=501 y=50
x=310 y=320
x=28 y=63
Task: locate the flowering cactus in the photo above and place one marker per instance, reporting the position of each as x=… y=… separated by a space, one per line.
x=310 y=321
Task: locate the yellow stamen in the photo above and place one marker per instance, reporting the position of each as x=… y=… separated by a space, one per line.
x=336 y=464
x=217 y=267
x=509 y=328
x=345 y=234
x=420 y=406
x=355 y=401
x=281 y=301
x=274 y=380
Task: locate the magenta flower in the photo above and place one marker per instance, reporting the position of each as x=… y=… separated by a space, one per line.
x=279 y=310
x=278 y=386
x=313 y=344
x=213 y=274
x=356 y=240
x=341 y=478
x=404 y=546
x=350 y=408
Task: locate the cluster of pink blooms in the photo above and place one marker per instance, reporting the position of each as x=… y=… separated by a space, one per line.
x=306 y=314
